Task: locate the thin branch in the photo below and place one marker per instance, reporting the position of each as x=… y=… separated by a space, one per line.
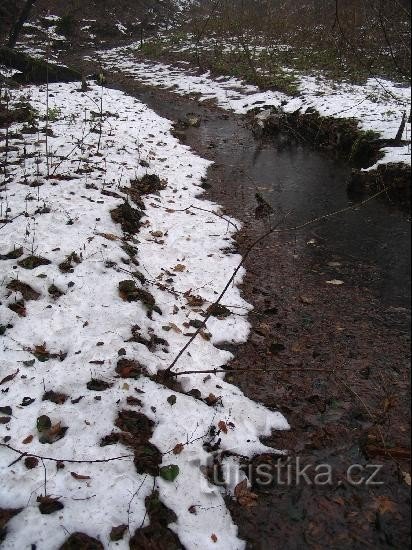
x=229 y=282
x=69 y=461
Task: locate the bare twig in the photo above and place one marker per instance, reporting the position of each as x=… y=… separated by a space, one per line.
x=217 y=302
x=69 y=461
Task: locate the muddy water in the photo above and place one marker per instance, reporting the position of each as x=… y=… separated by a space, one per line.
x=307 y=184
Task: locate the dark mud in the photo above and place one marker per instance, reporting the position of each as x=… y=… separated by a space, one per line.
x=343 y=350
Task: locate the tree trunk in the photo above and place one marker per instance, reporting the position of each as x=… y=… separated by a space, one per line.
x=17 y=27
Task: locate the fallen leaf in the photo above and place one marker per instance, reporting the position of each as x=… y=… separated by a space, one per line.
x=212 y=399
x=175 y=328
x=306 y=300
x=31 y=462
x=244 y=495
x=79 y=477
x=9 y=378
x=213 y=537
x=178 y=449
x=385 y=505
x=335 y=282
x=172 y=400
x=389 y=403
x=49 y=505
x=222 y=426
x=28 y=440
x=169 y=473
x=109 y=236
x=117 y=533
x=194 y=301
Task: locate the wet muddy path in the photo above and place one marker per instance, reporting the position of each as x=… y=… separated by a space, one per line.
x=342 y=352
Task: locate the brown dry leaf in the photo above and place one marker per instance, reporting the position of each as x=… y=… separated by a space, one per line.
x=175 y=328
x=179 y=268
x=28 y=440
x=222 y=426
x=109 y=236
x=212 y=399
x=244 y=495
x=9 y=378
x=205 y=335
x=54 y=430
x=389 y=403
x=79 y=477
x=306 y=300
x=296 y=347
x=213 y=537
x=194 y=301
x=178 y=449
x=385 y=504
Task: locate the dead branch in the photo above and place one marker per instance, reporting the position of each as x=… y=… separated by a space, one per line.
x=167 y=372
x=69 y=461
x=278 y=370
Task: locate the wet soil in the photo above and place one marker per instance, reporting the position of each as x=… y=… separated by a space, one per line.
x=342 y=350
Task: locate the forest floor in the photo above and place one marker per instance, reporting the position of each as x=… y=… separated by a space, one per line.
x=314 y=335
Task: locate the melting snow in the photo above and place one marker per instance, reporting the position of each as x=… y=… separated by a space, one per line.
x=90 y=323
x=378 y=105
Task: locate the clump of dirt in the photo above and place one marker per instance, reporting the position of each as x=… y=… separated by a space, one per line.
x=128 y=217
x=13 y=254
x=191 y=120
x=117 y=533
x=150 y=342
x=157 y=534
x=130 y=250
x=49 y=505
x=55 y=292
x=80 y=541
x=147 y=459
x=137 y=429
x=67 y=265
x=219 y=311
x=98 y=385
x=31 y=262
x=57 y=398
x=25 y=290
x=127 y=368
x=42 y=354
x=18 y=307
x=148 y=184
x=135 y=423
x=130 y=293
